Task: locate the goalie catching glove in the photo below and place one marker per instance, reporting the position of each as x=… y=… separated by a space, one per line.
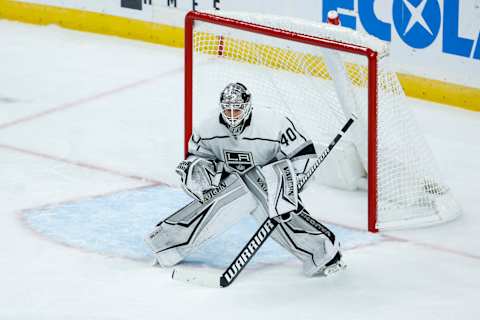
x=199 y=175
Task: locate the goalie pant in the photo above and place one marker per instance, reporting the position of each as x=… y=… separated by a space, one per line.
x=183 y=232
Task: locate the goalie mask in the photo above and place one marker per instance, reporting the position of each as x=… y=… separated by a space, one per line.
x=236 y=107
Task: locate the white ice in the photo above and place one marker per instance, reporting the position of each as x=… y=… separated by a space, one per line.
x=87 y=120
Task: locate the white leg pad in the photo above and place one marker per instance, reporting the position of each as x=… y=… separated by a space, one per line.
x=177 y=236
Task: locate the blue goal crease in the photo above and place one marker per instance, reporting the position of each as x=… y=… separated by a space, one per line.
x=116 y=225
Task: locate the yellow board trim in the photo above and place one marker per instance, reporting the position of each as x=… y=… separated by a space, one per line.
x=92 y=22
x=414 y=86
x=441 y=92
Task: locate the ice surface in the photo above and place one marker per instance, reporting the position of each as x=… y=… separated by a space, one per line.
x=90 y=131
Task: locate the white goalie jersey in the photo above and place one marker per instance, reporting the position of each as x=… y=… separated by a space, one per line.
x=263 y=152
x=267 y=137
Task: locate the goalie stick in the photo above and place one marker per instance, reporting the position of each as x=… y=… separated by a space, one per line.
x=260 y=236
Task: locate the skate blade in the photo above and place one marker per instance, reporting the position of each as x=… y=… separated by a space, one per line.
x=334 y=269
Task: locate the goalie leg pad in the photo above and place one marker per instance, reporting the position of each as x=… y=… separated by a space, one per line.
x=303 y=236
x=307 y=239
x=181 y=233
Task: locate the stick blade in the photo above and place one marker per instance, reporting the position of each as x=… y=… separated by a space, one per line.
x=200 y=277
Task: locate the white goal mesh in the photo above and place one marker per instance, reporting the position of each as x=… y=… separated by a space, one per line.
x=320 y=88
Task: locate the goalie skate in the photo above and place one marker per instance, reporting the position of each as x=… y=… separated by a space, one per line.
x=333 y=266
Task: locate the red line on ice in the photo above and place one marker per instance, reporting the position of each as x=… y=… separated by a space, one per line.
x=82 y=164
x=82 y=101
x=398 y=239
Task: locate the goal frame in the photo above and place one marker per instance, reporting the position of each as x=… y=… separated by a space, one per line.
x=372 y=59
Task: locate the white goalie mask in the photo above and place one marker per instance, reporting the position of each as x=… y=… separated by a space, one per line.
x=235 y=106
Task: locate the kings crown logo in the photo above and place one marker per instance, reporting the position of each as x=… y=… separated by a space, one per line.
x=239 y=161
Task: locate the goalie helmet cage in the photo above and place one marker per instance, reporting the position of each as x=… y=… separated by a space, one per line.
x=318 y=74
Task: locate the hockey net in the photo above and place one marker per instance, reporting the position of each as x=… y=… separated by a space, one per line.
x=319 y=74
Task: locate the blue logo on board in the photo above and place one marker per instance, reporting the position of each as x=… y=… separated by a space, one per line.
x=417 y=21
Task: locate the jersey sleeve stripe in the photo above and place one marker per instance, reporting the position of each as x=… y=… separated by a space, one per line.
x=263 y=139
x=199 y=153
x=193 y=139
x=214 y=137
x=306 y=150
x=293 y=126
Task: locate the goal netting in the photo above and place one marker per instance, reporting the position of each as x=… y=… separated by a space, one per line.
x=319 y=74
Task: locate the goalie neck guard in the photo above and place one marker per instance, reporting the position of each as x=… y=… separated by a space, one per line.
x=235 y=107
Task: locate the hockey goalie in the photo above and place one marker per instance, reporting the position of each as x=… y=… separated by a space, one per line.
x=240 y=162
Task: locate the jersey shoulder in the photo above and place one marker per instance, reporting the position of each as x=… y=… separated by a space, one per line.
x=211 y=127
x=293 y=142
x=270 y=123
